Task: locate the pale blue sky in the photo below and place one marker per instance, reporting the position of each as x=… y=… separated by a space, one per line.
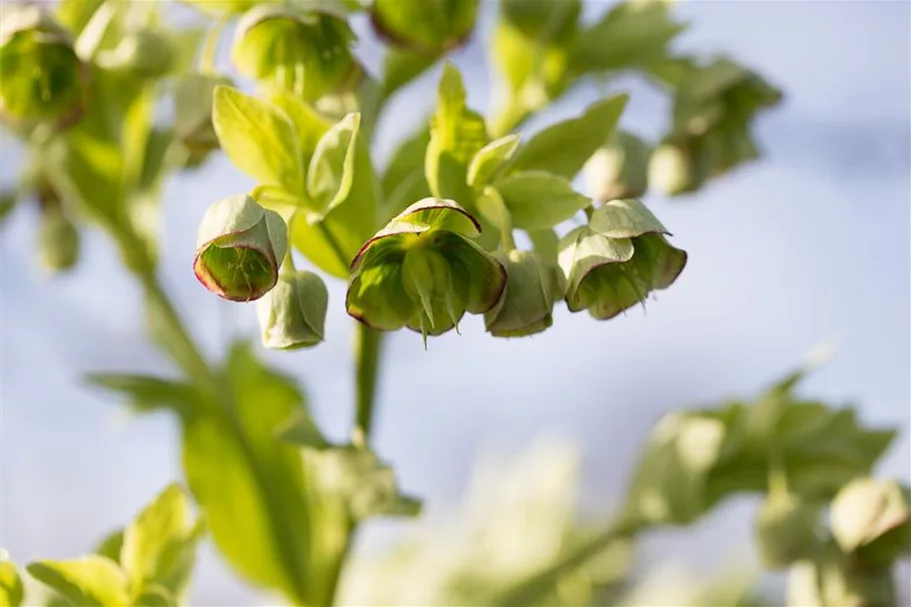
x=809 y=245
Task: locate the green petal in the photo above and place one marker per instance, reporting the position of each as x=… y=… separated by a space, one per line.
x=581 y=252
x=625 y=219
x=483 y=277
x=441 y=214
x=377 y=298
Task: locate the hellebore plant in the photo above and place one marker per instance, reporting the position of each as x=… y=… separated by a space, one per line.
x=107 y=101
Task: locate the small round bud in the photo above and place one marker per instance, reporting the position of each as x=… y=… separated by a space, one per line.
x=44 y=81
x=58 y=241
x=786 y=530
x=307 y=52
x=423 y=271
x=293 y=314
x=526 y=306
x=619 y=169
x=239 y=249
x=672 y=170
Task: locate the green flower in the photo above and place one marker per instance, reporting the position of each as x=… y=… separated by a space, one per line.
x=239 y=249
x=423 y=271
x=427 y=26
x=619 y=169
x=146 y=53
x=786 y=530
x=532 y=287
x=614 y=262
x=293 y=314
x=44 y=81
x=308 y=52
x=871 y=519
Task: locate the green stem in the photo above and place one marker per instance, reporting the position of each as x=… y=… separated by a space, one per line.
x=367 y=358
x=333 y=244
x=209 y=52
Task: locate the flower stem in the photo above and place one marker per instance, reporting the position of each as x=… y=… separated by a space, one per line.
x=367 y=347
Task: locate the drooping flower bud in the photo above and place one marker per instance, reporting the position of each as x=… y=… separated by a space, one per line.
x=239 y=249
x=423 y=271
x=786 y=530
x=871 y=518
x=304 y=51
x=193 y=111
x=58 y=241
x=44 y=81
x=679 y=165
x=614 y=262
x=293 y=314
x=532 y=287
x=618 y=169
x=427 y=27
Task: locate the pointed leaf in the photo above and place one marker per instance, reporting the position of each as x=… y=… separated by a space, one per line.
x=331 y=171
x=563 y=148
x=490 y=159
x=91 y=580
x=258 y=138
x=11 y=590
x=538 y=200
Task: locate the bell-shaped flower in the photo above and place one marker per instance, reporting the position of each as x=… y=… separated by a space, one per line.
x=293 y=314
x=532 y=288
x=423 y=271
x=44 y=81
x=240 y=248
x=426 y=27
x=618 y=169
x=614 y=262
x=307 y=51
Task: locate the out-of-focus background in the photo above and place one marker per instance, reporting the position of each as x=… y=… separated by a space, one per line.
x=808 y=245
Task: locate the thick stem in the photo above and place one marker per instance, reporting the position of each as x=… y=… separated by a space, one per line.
x=367 y=358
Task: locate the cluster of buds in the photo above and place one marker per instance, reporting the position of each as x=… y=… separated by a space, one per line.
x=44 y=81
x=304 y=51
x=713 y=111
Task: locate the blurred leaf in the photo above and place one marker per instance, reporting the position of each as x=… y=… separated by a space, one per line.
x=630 y=34
x=159 y=546
x=91 y=580
x=490 y=159
x=8 y=200
x=301 y=431
x=403 y=66
x=155 y=596
x=11 y=590
x=403 y=182
x=331 y=170
x=456 y=134
x=147 y=393
x=258 y=138
x=110 y=546
x=563 y=148
x=786 y=530
x=538 y=200
x=545 y=242
x=830 y=579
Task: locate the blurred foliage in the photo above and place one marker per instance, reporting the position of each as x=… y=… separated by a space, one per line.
x=108 y=99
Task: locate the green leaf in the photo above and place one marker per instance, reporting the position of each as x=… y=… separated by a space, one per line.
x=545 y=243
x=147 y=393
x=490 y=159
x=404 y=182
x=278 y=200
x=538 y=200
x=332 y=243
x=11 y=590
x=250 y=486
x=331 y=170
x=258 y=138
x=111 y=545
x=91 y=580
x=563 y=148
x=631 y=34
x=155 y=596
x=8 y=199
x=309 y=125
x=456 y=135
x=159 y=545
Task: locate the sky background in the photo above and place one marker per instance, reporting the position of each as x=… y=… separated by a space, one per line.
x=809 y=245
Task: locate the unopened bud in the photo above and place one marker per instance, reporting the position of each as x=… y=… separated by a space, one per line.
x=193 y=111
x=424 y=27
x=239 y=249
x=58 y=241
x=304 y=51
x=786 y=530
x=532 y=287
x=872 y=519
x=44 y=81
x=619 y=169
x=293 y=314
x=145 y=52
